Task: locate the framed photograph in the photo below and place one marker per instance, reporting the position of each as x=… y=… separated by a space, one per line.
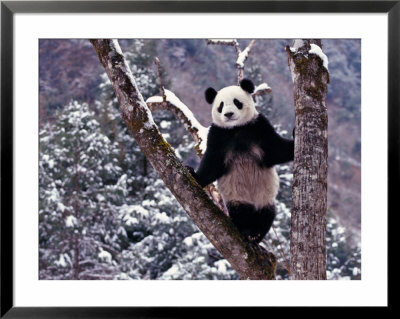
x=66 y=159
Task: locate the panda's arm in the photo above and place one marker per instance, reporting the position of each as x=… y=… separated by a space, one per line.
x=211 y=168
x=278 y=149
x=212 y=164
x=283 y=150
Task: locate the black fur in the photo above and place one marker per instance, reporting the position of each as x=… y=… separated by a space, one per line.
x=238 y=104
x=221 y=105
x=210 y=95
x=247 y=85
x=253 y=224
x=240 y=139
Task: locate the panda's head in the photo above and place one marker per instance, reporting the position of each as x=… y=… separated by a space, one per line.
x=233 y=105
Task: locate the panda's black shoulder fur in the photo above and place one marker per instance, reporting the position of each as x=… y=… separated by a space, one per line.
x=259 y=132
x=240 y=136
x=240 y=140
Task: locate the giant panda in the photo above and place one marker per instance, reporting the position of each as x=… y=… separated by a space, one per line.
x=242 y=149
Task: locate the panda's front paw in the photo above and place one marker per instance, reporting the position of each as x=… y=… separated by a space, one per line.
x=191 y=171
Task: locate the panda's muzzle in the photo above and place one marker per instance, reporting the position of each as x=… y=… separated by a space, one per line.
x=228 y=115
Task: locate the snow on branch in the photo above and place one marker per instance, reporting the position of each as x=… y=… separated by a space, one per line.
x=249 y=260
x=173 y=104
x=232 y=42
x=229 y=42
x=243 y=55
x=261 y=89
x=315 y=49
x=305 y=48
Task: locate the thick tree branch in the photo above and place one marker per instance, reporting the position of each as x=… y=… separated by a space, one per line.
x=309 y=68
x=250 y=261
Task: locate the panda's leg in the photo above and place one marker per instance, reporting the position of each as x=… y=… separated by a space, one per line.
x=267 y=216
x=253 y=223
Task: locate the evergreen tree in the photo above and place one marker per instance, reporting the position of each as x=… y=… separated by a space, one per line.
x=80 y=185
x=343 y=255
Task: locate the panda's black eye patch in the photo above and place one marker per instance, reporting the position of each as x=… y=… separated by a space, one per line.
x=221 y=105
x=238 y=104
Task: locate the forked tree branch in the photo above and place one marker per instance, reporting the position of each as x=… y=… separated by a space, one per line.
x=241 y=56
x=250 y=261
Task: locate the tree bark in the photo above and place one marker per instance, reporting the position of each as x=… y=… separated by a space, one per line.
x=249 y=261
x=310 y=75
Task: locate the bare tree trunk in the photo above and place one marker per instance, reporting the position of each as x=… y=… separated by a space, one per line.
x=250 y=261
x=309 y=68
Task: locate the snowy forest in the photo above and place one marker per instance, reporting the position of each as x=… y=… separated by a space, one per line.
x=105 y=214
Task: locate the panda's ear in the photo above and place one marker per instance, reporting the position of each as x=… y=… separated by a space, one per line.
x=210 y=95
x=247 y=85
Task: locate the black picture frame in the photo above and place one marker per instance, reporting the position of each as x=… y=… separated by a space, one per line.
x=9 y=8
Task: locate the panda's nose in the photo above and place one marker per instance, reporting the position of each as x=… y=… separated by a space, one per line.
x=228 y=115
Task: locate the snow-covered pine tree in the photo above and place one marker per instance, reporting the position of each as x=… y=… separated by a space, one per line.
x=343 y=252
x=80 y=184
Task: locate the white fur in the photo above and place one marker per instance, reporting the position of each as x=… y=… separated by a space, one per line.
x=247 y=183
x=240 y=117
